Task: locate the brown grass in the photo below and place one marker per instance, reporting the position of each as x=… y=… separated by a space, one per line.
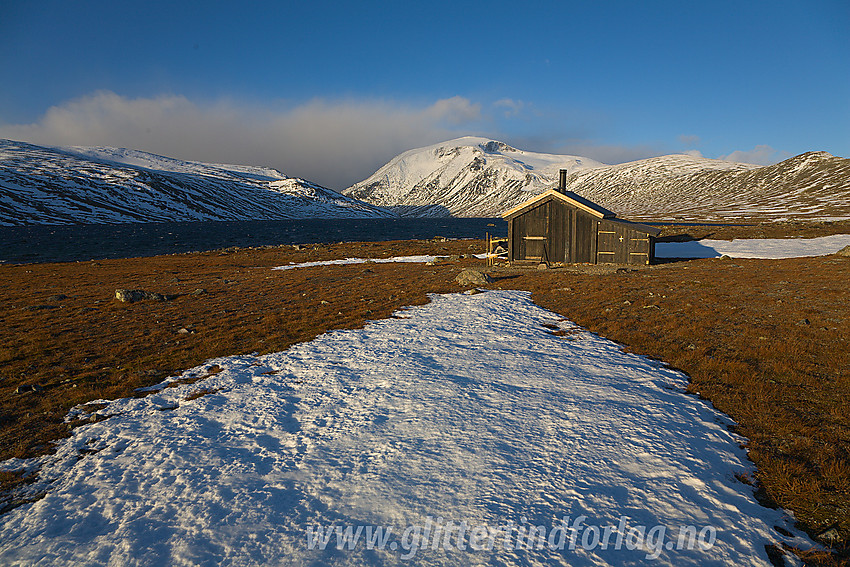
x=737 y=328
x=782 y=229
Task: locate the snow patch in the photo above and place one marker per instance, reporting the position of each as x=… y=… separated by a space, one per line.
x=468 y=409
x=771 y=248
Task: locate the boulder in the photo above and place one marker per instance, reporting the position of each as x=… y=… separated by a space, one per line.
x=473 y=278
x=132 y=295
x=844 y=251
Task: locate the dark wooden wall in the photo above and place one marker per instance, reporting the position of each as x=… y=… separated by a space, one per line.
x=560 y=231
x=556 y=232
x=620 y=244
x=529 y=233
x=584 y=241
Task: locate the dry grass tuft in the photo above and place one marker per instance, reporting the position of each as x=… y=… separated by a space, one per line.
x=200 y=393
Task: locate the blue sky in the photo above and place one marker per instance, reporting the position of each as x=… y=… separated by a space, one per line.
x=330 y=91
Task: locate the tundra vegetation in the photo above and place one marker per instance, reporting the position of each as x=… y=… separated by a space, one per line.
x=765 y=341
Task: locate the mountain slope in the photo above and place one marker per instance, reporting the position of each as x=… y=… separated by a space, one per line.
x=40 y=185
x=480 y=177
x=466 y=177
x=814 y=185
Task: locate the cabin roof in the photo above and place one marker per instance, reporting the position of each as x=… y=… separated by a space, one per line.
x=567 y=197
x=651 y=230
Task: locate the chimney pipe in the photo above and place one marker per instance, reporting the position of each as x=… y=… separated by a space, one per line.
x=562 y=182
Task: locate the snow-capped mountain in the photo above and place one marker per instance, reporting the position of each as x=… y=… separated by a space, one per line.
x=478 y=177
x=42 y=185
x=466 y=177
x=814 y=185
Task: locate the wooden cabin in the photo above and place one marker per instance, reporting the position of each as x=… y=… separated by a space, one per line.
x=561 y=227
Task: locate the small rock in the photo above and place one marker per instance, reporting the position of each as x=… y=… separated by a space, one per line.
x=803 y=322
x=726 y=257
x=829 y=535
x=183 y=331
x=627 y=302
x=57 y=297
x=199 y=291
x=129 y=295
x=473 y=278
x=27 y=388
x=542 y=267
x=133 y=295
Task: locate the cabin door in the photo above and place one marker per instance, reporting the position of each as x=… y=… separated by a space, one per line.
x=535 y=233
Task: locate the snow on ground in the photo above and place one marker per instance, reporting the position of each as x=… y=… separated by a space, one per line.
x=344 y=261
x=462 y=426
x=415 y=259
x=773 y=248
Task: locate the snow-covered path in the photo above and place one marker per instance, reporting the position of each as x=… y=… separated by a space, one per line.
x=458 y=425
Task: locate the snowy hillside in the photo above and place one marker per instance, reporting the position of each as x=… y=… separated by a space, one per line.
x=41 y=185
x=466 y=177
x=814 y=185
x=477 y=177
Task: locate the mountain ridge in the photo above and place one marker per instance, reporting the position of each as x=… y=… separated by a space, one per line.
x=96 y=185
x=482 y=177
x=472 y=168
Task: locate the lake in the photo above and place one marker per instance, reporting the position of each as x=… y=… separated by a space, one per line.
x=68 y=243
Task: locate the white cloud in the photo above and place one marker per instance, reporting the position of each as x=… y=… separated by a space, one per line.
x=760 y=155
x=455 y=110
x=332 y=142
x=335 y=143
x=509 y=106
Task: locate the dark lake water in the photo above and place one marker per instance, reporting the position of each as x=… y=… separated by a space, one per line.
x=67 y=243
